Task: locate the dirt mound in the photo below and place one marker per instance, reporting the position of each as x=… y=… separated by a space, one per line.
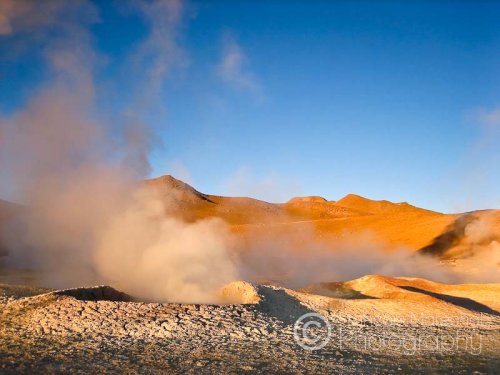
x=240 y=292
x=478 y=298
x=83 y=330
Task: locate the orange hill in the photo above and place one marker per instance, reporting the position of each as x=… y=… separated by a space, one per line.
x=397 y=224
x=394 y=224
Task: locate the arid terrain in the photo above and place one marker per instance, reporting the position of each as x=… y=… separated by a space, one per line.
x=396 y=224
x=261 y=187
x=378 y=324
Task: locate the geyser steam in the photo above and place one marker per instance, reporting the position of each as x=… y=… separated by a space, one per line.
x=89 y=218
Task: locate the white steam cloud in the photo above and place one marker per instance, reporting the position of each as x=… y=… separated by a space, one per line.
x=481 y=245
x=233 y=67
x=89 y=218
x=299 y=258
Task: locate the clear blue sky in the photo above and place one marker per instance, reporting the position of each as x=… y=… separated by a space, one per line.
x=395 y=100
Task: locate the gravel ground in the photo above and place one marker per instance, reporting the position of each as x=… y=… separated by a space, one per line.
x=99 y=330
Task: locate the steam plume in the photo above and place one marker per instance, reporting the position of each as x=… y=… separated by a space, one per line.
x=89 y=218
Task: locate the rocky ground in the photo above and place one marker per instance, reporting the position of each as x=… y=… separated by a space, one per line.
x=96 y=330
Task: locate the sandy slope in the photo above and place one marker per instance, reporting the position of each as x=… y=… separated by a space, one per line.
x=413 y=296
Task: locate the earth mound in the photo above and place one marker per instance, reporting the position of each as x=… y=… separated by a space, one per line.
x=240 y=292
x=93 y=330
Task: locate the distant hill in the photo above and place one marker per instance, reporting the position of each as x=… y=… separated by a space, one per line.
x=362 y=204
x=395 y=224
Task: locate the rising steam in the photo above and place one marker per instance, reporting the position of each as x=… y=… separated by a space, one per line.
x=90 y=218
x=299 y=258
x=481 y=245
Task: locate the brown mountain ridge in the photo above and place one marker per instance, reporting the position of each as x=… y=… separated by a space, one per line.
x=396 y=224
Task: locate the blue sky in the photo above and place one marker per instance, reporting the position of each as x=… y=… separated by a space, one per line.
x=390 y=100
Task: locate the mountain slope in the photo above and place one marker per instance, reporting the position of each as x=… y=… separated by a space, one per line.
x=393 y=224
x=397 y=224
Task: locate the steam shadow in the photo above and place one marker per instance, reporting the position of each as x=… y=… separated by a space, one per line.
x=281 y=305
x=467 y=303
x=98 y=293
x=335 y=290
x=452 y=235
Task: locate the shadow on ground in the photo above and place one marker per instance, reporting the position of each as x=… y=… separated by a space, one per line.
x=466 y=303
x=98 y=293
